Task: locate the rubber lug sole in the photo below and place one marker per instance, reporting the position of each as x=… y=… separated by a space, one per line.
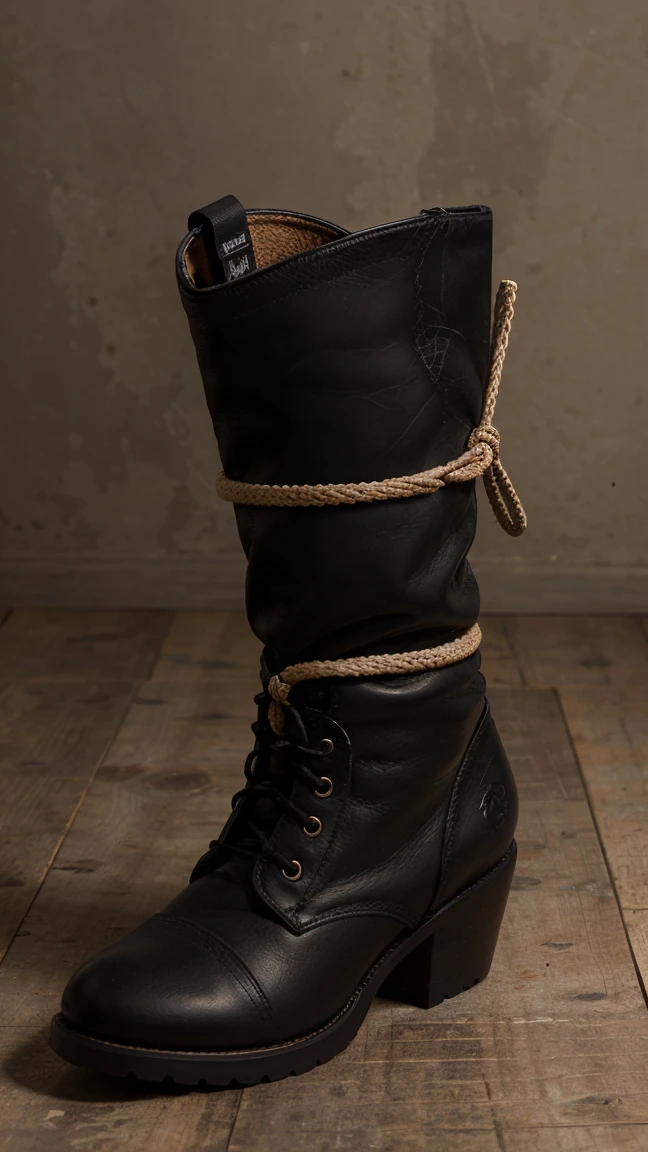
x=445 y=956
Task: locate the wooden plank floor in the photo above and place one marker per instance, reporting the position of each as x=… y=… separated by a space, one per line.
x=122 y=737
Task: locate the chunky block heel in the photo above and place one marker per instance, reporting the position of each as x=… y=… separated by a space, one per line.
x=459 y=952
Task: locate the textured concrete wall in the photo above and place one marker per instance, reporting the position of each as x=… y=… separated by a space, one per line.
x=124 y=115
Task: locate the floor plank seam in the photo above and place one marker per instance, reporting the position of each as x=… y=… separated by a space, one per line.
x=135 y=688
x=228 y=1146
x=150 y=672
x=519 y=663
x=601 y=842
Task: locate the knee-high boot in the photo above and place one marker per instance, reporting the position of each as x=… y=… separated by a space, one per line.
x=351 y=381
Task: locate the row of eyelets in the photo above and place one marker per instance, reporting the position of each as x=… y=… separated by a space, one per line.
x=327 y=747
x=315 y=823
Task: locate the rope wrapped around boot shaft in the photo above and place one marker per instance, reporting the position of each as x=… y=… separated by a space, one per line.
x=482 y=457
x=390 y=664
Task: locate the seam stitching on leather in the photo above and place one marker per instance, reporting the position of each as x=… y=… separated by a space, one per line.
x=331 y=279
x=350 y=1002
x=420 y=329
x=380 y=908
x=451 y=823
x=350 y=240
x=221 y=951
x=347 y=241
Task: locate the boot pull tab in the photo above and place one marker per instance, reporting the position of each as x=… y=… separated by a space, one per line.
x=225 y=233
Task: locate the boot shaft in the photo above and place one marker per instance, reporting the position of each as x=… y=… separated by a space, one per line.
x=372 y=843
x=359 y=359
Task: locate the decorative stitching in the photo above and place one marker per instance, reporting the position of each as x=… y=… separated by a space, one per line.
x=274 y=271
x=455 y=800
x=481 y=457
x=376 y=908
x=217 y=948
x=421 y=329
x=349 y=1004
x=194 y=298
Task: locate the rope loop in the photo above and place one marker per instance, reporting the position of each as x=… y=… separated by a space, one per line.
x=485 y=434
x=480 y=459
x=389 y=664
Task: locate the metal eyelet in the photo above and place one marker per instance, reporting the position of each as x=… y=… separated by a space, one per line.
x=326 y=745
x=298 y=873
x=316 y=825
x=327 y=791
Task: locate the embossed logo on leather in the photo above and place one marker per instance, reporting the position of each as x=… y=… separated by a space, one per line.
x=494 y=805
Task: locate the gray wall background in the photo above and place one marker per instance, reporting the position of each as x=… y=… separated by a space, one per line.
x=122 y=115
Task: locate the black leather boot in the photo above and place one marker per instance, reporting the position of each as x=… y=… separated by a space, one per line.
x=371 y=850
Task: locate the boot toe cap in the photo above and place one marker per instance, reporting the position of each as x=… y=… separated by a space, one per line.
x=172 y=986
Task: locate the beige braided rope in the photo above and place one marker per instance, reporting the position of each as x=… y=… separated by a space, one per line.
x=384 y=665
x=481 y=458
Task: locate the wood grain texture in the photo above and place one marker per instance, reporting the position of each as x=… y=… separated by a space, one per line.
x=47 y=1105
x=535 y=1057
x=596 y=651
x=600 y=668
x=609 y=728
x=548 y=1055
x=52 y=737
x=499 y=664
x=44 y=643
x=209 y=645
x=158 y=798
x=610 y=1137
x=53 y=732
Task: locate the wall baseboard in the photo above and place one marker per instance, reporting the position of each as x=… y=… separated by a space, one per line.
x=584 y=589
x=194 y=582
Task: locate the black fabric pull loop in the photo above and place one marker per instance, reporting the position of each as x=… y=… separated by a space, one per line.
x=226 y=236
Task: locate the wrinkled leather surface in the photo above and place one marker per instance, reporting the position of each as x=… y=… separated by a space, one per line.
x=362 y=360
x=482 y=814
x=243 y=956
x=206 y=976
x=380 y=848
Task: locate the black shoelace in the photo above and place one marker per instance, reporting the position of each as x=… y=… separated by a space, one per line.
x=270 y=770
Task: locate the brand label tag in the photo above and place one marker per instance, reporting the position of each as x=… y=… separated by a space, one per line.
x=227 y=238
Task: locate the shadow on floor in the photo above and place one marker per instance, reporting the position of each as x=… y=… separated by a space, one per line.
x=35 y=1068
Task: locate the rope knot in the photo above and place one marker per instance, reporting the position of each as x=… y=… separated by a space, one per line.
x=487 y=435
x=482 y=458
x=279 y=691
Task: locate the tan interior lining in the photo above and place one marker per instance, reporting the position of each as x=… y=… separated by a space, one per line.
x=275 y=236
